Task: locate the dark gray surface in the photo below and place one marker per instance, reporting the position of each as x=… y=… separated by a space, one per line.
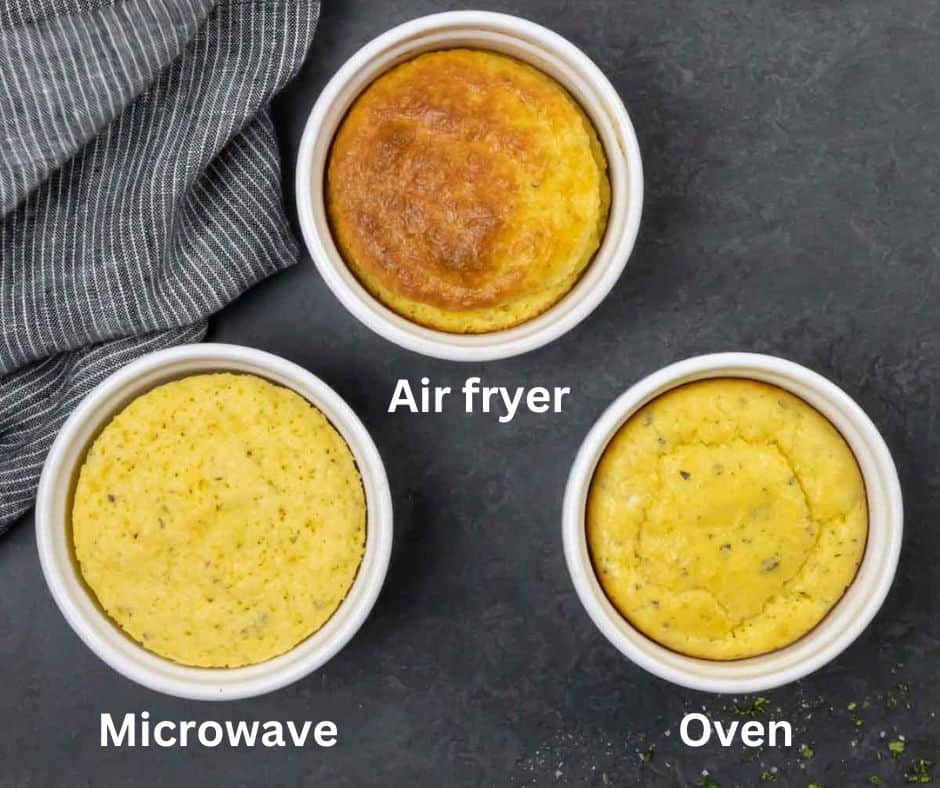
x=791 y=151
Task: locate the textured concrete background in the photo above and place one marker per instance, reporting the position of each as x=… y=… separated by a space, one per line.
x=792 y=152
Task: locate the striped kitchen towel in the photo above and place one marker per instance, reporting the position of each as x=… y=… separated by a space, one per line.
x=139 y=190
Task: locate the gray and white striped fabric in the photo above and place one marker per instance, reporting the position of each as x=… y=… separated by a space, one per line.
x=139 y=190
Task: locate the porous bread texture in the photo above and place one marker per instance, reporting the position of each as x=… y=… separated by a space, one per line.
x=219 y=520
x=726 y=518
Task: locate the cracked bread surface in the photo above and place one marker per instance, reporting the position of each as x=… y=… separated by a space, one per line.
x=219 y=520
x=726 y=518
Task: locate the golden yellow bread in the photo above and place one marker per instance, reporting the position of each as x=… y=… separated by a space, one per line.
x=467 y=191
x=726 y=518
x=219 y=520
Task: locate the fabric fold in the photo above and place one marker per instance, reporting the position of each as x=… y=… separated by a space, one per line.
x=51 y=108
x=140 y=187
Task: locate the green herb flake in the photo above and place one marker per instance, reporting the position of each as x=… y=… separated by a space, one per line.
x=875 y=780
x=806 y=751
x=920 y=772
x=647 y=755
x=896 y=747
x=768 y=777
x=707 y=782
x=852 y=706
x=757 y=706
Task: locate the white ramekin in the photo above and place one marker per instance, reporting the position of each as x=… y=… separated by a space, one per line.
x=845 y=621
x=526 y=41
x=95 y=628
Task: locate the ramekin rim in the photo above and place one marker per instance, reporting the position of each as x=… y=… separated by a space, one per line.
x=562 y=316
x=651 y=656
x=216 y=683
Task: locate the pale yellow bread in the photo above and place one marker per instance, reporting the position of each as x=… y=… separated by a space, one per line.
x=467 y=191
x=219 y=520
x=726 y=518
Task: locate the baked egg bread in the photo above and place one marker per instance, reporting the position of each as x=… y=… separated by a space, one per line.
x=726 y=518
x=467 y=191
x=219 y=520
